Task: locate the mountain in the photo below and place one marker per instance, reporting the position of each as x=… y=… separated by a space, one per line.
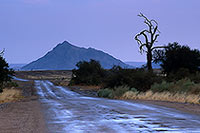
x=65 y=56
x=140 y=64
x=136 y=64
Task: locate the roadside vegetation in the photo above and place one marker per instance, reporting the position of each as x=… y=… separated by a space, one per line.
x=10 y=95
x=8 y=88
x=88 y=73
x=5 y=73
x=177 y=82
x=184 y=91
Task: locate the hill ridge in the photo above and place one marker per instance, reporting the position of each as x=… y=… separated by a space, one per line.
x=64 y=56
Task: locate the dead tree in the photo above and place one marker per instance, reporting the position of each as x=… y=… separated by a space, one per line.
x=147 y=38
x=2 y=52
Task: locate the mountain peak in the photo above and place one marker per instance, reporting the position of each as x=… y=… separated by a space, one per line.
x=65 y=56
x=65 y=43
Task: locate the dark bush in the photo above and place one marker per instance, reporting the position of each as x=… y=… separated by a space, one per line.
x=180 y=74
x=88 y=73
x=115 y=92
x=183 y=73
x=5 y=73
x=180 y=86
x=91 y=73
x=10 y=84
x=175 y=57
x=106 y=93
x=119 y=91
x=134 y=78
x=195 y=77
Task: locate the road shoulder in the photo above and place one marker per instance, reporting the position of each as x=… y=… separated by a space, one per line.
x=183 y=107
x=23 y=116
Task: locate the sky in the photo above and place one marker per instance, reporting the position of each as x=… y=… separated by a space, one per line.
x=31 y=28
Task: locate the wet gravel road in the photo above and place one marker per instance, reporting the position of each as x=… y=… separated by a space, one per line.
x=67 y=111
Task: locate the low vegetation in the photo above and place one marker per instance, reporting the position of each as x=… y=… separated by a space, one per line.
x=134 y=78
x=175 y=57
x=9 y=90
x=176 y=83
x=106 y=93
x=115 y=92
x=88 y=73
x=181 y=86
x=10 y=95
x=5 y=73
x=163 y=96
x=184 y=91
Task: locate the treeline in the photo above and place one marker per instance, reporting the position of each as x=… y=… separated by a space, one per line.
x=178 y=64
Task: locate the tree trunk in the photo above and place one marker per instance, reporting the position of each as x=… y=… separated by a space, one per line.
x=149 y=60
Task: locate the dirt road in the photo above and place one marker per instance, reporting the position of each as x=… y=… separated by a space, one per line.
x=22 y=117
x=67 y=111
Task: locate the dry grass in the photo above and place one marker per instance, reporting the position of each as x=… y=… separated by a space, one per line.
x=163 y=96
x=10 y=95
x=45 y=75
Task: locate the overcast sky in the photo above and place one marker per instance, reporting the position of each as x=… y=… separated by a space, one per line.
x=31 y=28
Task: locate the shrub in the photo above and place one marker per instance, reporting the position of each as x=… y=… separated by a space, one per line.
x=119 y=91
x=10 y=84
x=106 y=93
x=134 y=78
x=5 y=73
x=133 y=90
x=180 y=74
x=163 y=96
x=115 y=92
x=181 y=86
x=88 y=73
x=10 y=95
x=164 y=86
x=183 y=73
x=175 y=57
x=195 y=77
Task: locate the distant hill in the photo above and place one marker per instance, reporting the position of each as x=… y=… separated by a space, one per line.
x=136 y=64
x=16 y=66
x=65 y=56
x=140 y=64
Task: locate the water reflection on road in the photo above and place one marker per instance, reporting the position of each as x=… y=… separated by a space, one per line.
x=67 y=111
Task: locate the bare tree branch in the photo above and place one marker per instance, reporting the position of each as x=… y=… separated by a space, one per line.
x=2 y=52
x=154 y=21
x=142 y=49
x=155 y=38
x=146 y=38
x=150 y=37
x=155 y=29
x=138 y=40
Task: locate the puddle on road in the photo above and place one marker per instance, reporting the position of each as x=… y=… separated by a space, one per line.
x=136 y=122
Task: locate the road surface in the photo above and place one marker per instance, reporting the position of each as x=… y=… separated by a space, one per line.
x=67 y=111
